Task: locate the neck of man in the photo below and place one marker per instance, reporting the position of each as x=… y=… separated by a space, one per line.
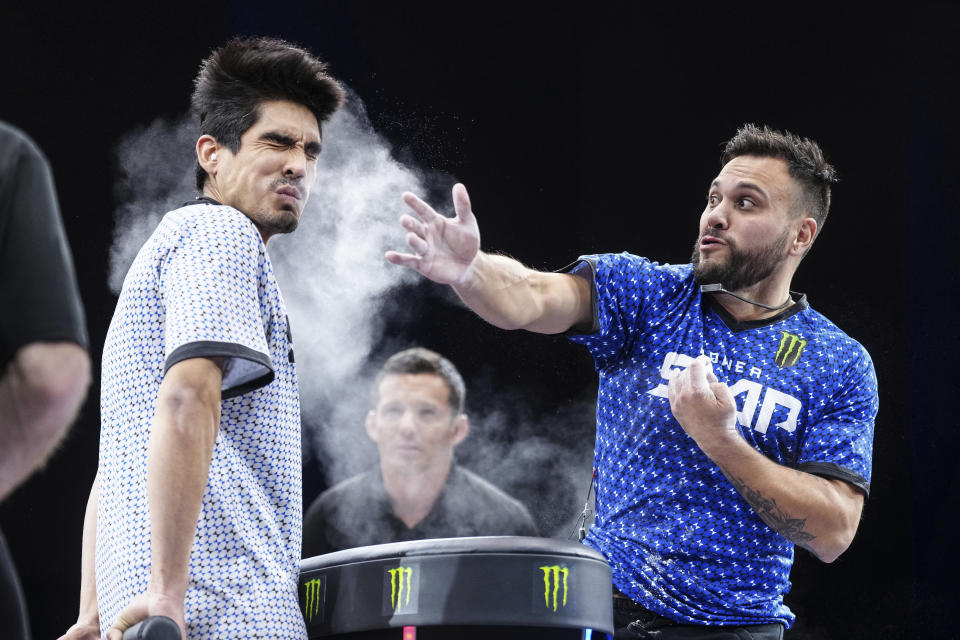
x=413 y=491
x=210 y=191
x=772 y=291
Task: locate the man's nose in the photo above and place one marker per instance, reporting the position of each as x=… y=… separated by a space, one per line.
x=717 y=218
x=295 y=165
x=407 y=425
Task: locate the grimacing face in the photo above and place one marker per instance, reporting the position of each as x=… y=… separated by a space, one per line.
x=270 y=176
x=745 y=229
x=413 y=424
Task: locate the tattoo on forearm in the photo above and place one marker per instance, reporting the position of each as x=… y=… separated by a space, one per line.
x=769 y=512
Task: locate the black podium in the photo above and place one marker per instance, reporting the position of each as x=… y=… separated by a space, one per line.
x=489 y=587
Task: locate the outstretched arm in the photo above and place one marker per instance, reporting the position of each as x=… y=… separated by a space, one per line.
x=819 y=514
x=500 y=290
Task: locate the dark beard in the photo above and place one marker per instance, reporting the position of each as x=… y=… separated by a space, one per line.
x=743 y=268
x=284 y=222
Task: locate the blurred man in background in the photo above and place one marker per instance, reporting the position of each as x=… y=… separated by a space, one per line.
x=417 y=491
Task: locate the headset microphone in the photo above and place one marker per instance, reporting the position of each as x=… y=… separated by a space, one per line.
x=582 y=519
x=718 y=288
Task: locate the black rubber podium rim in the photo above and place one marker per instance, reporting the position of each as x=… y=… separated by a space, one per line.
x=506 y=581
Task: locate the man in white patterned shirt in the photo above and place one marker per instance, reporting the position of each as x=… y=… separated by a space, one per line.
x=196 y=509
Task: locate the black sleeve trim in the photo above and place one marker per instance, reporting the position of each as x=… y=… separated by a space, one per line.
x=576 y=269
x=237 y=379
x=831 y=470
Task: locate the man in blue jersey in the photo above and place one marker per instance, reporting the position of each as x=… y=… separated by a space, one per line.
x=733 y=421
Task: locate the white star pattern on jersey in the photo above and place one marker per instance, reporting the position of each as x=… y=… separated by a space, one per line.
x=203 y=285
x=680 y=539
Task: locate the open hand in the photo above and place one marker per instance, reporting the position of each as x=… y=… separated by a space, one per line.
x=703 y=405
x=444 y=248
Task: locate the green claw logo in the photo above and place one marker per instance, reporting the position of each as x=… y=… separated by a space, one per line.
x=312 y=596
x=400 y=586
x=552 y=585
x=791 y=346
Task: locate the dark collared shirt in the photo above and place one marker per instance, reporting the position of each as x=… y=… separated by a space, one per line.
x=357 y=512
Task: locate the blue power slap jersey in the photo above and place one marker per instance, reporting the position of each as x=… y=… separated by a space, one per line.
x=680 y=540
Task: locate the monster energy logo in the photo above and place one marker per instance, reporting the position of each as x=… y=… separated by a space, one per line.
x=400 y=587
x=791 y=346
x=552 y=586
x=312 y=596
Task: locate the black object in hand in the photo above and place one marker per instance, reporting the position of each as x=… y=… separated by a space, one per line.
x=153 y=628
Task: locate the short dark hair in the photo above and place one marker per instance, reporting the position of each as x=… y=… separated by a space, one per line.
x=804 y=158
x=236 y=78
x=420 y=360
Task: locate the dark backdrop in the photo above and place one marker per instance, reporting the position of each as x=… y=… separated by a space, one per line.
x=577 y=129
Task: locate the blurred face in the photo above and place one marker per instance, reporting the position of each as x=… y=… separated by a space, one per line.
x=413 y=424
x=270 y=176
x=747 y=225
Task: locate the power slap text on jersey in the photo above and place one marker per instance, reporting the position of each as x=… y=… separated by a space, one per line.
x=745 y=391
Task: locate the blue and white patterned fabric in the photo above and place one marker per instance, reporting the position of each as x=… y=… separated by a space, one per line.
x=203 y=286
x=680 y=539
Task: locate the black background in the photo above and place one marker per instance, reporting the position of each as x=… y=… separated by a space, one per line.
x=577 y=128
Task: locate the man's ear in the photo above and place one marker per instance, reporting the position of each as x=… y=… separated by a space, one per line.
x=806 y=233
x=207 y=153
x=371 y=425
x=461 y=428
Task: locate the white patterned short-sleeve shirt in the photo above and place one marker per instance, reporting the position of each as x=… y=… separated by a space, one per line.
x=203 y=286
x=679 y=537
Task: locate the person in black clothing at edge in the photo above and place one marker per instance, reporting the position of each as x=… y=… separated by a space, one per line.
x=43 y=337
x=417 y=491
